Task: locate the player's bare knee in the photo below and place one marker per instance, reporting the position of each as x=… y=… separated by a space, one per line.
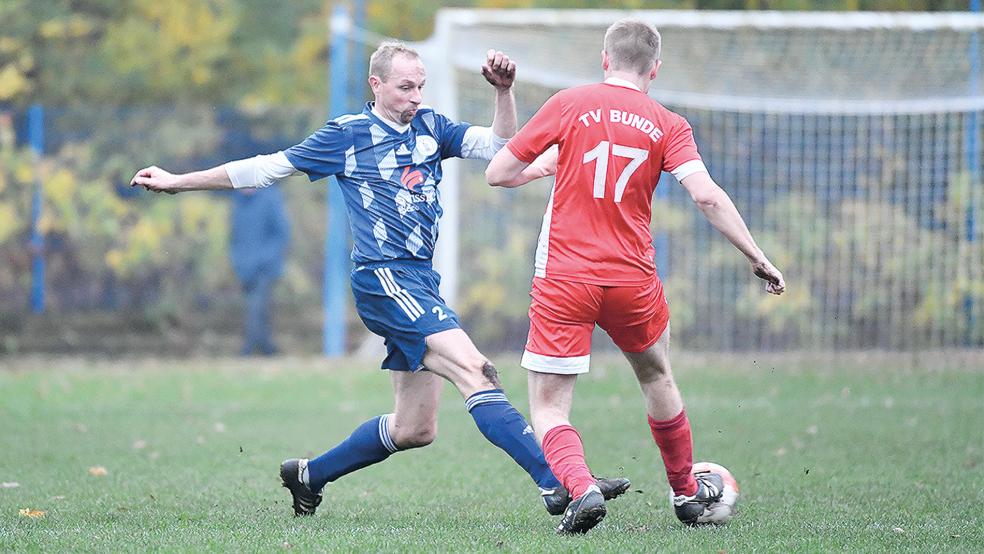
x=415 y=437
x=653 y=373
x=491 y=373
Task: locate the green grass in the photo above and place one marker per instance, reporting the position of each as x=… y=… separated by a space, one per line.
x=830 y=459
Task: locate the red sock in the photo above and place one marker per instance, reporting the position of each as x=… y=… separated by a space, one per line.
x=672 y=436
x=564 y=452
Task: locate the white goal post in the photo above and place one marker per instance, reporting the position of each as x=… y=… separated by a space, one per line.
x=851 y=142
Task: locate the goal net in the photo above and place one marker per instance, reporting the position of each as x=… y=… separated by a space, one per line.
x=850 y=142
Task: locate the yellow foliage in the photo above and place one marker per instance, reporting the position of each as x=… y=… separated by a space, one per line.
x=60 y=187
x=196 y=212
x=308 y=51
x=10 y=44
x=114 y=260
x=24 y=173
x=146 y=236
x=52 y=28
x=12 y=82
x=26 y=61
x=49 y=222
x=74 y=26
x=200 y=75
x=9 y=221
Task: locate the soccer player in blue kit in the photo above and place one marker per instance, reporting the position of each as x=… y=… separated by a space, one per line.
x=387 y=161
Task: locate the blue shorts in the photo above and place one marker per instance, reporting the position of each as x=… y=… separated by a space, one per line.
x=400 y=302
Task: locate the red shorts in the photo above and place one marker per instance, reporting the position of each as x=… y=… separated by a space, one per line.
x=563 y=315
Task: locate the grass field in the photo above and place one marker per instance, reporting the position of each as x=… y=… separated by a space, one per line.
x=829 y=458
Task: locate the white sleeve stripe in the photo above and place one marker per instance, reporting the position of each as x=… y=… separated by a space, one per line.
x=481 y=143
x=687 y=169
x=259 y=171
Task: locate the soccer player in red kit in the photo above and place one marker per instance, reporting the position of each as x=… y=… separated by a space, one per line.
x=594 y=260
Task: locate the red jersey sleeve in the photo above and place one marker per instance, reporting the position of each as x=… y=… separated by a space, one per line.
x=539 y=133
x=680 y=146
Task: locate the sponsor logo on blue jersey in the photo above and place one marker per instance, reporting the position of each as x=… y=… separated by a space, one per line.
x=389 y=179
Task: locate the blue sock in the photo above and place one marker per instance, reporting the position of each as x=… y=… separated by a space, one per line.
x=370 y=443
x=504 y=427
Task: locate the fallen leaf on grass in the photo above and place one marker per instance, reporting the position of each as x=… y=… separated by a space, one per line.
x=219 y=427
x=10 y=485
x=27 y=512
x=139 y=444
x=98 y=471
x=898 y=530
x=59 y=497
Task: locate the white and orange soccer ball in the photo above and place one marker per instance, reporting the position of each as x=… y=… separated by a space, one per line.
x=723 y=510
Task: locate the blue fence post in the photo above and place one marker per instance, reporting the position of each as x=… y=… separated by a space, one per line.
x=336 y=242
x=35 y=131
x=973 y=160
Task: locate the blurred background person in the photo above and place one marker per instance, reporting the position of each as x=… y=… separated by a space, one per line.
x=259 y=235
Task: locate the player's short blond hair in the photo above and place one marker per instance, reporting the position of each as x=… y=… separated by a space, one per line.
x=632 y=45
x=381 y=61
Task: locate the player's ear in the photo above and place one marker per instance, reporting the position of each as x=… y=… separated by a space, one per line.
x=655 y=69
x=605 y=62
x=374 y=83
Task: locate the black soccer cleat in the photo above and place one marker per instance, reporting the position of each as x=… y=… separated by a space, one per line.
x=583 y=514
x=557 y=499
x=710 y=487
x=305 y=501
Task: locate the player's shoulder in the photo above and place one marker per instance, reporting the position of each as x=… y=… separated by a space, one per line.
x=579 y=92
x=350 y=120
x=429 y=115
x=435 y=123
x=666 y=115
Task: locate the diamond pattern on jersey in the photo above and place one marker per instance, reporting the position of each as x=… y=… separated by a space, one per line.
x=379 y=232
x=387 y=165
x=367 y=196
x=378 y=134
x=428 y=119
x=350 y=164
x=414 y=241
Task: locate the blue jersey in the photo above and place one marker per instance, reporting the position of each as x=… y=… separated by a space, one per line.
x=389 y=179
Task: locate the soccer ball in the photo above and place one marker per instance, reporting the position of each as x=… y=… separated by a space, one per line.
x=723 y=510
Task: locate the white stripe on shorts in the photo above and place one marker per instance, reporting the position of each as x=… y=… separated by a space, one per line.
x=393 y=292
x=552 y=364
x=411 y=301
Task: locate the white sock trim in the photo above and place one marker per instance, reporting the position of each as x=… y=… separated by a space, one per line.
x=384 y=434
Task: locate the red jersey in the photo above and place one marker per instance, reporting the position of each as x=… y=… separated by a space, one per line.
x=614 y=142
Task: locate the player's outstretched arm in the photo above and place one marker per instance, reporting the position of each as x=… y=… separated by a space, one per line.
x=506 y=170
x=500 y=72
x=158 y=180
x=258 y=171
x=721 y=212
